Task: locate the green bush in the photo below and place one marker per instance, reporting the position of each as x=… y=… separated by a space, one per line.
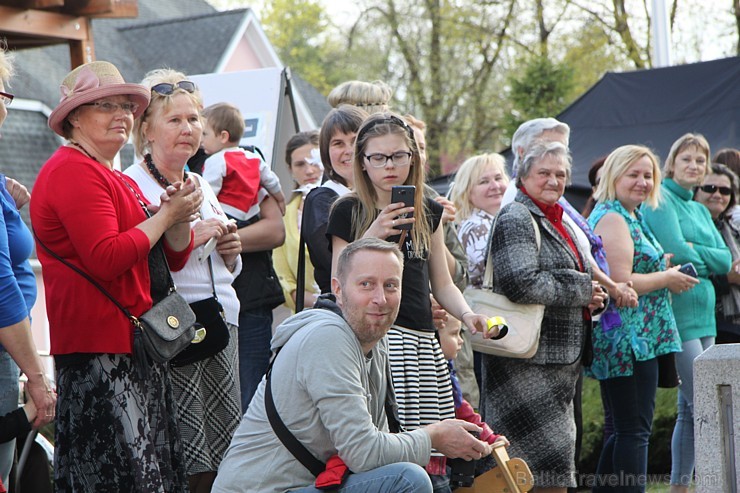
x=659 y=456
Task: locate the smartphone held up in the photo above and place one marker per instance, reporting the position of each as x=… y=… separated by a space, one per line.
x=405 y=194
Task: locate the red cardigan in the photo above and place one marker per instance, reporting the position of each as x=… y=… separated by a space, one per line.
x=86 y=214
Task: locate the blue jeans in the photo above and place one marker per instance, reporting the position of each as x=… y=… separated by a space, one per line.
x=682 y=442
x=401 y=477
x=631 y=401
x=255 y=333
x=8 y=402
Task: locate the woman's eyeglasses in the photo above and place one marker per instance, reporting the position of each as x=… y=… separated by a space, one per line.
x=6 y=98
x=167 y=88
x=378 y=160
x=108 y=107
x=710 y=189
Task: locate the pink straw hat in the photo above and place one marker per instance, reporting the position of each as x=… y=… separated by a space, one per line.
x=90 y=82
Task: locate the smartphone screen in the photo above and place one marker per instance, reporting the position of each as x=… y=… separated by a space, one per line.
x=405 y=194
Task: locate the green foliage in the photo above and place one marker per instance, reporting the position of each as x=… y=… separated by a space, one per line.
x=543 y=89
x=591 y=55
x=302 y=35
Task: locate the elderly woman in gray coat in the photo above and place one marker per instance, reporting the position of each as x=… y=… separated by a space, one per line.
x=530 y=400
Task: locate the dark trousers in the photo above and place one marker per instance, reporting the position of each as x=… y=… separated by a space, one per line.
x=255 y=333
x=623 y=463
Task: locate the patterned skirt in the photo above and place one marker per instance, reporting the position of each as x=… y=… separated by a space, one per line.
x=421 y=377
x=209 y=405
x=116 y=431
x=532 y=405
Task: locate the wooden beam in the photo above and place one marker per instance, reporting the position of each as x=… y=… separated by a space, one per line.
x=49 y=25
x=34 y=4
x=81 y=52
x=120 y=9
x=102 y=8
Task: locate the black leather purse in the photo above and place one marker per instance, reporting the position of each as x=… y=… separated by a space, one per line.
x=161 y=332
x=211 y=332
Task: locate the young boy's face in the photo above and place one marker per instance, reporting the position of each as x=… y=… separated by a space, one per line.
x=450 y=340
x=211 y=141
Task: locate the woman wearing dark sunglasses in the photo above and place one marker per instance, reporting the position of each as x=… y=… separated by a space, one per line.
x=685 y=229
x=718 y=193
x=206 y=388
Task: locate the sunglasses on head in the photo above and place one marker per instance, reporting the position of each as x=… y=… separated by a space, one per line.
x=167 y=88
x=710 y=189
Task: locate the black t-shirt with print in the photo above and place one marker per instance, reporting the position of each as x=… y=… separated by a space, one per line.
x=416 y=308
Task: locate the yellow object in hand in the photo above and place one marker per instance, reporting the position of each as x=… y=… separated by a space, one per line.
x=499 y=322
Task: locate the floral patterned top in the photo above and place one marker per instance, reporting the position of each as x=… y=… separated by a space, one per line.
x=473 y=234
x=647 y=331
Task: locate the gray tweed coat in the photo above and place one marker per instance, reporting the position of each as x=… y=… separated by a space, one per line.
x=551 y=278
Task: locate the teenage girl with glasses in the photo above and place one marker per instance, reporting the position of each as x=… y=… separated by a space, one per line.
x=386 y=155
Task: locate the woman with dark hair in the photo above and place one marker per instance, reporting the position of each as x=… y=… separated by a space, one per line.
x=594 y=177
x=731 y=158
x=336 y=141
x=719 y=194
x=684 y=228
x=304 y=163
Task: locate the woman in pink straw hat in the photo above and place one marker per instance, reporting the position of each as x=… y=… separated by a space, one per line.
x=116 y=429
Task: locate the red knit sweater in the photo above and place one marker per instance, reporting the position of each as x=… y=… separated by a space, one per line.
x=86 y=214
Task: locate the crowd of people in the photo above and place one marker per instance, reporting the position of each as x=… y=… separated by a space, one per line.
x=372 y=385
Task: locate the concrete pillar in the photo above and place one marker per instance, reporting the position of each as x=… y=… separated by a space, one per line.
x=717 y=419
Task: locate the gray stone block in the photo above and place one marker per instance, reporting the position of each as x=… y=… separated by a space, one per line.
x=716 y=402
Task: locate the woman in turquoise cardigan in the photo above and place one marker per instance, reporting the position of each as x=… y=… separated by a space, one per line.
x=685 y=229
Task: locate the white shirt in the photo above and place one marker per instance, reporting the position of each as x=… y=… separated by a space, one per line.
x=194 y=280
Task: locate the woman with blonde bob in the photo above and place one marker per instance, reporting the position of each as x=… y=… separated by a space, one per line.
x=206 y=391
x=685 y=228
x=386 y=155
x=480 y=184
x=625 y=354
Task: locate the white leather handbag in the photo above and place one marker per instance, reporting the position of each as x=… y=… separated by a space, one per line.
x=523 y=321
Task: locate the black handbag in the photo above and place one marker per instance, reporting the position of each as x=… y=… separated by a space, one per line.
x=211 y=332
x=166 y=328
x=667 y=374
x=163 y=331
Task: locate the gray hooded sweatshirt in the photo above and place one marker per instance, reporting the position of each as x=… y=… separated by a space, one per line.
x=331 y=397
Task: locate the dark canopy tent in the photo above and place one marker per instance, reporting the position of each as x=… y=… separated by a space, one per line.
x=652 y=107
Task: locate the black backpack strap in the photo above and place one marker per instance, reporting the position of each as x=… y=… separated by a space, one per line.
x=283 y=433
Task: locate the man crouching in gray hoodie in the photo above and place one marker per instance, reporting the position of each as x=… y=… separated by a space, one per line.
x=329 y=389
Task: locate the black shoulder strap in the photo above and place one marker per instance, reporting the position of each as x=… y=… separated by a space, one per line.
x=86 y=276
x=301 y=275
x=283 y=433
x=295 y=447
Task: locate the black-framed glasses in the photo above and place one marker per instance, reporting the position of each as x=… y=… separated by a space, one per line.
x=167 y=88
x=710 y=189
x=399 y=158
x=110 y=107
x=6 y=98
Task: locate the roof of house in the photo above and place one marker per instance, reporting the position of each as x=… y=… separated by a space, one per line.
x=315 y=101
x=186 y=35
